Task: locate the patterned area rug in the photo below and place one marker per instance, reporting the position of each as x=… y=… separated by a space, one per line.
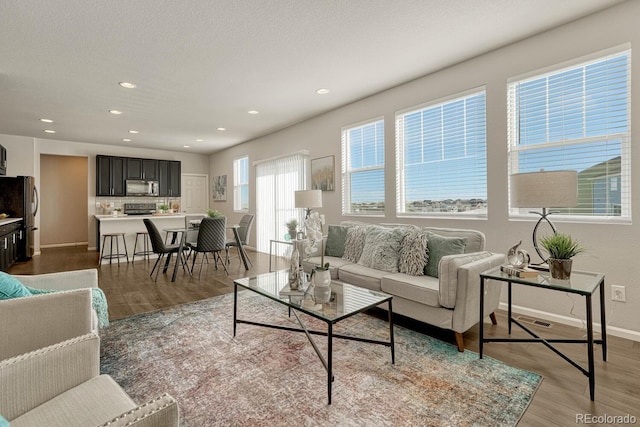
x=267 y=377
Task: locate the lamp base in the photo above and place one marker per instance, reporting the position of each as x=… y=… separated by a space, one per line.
x=544 y=216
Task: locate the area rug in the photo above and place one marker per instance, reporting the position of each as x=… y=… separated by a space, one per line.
x=267 y=377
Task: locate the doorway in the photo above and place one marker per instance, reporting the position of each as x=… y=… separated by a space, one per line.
x=64 y=212
x=195 y=190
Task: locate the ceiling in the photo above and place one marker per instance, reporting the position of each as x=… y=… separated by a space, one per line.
x=200 y=65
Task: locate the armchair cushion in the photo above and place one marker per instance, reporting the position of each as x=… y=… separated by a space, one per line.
x=10 y=287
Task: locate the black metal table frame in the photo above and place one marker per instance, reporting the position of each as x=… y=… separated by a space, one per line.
x=328 y=362
x=590 y=341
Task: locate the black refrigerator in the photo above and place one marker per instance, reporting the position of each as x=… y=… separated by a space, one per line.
x=19 y=199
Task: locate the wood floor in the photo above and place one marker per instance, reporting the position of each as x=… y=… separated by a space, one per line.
x=561 y=398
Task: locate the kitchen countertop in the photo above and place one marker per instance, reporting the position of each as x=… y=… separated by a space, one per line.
x=5 y=221
x=126 y=217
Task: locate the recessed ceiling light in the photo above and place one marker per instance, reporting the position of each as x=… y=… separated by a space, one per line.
x=222 y=129
x=133 y=131
x=126 y=140
x=199 y=140
x=186 y=146
x=322 y=91
x=46 y=120
x=127 y=85
x=116 y=112
x=49 y=131
x=253 y=112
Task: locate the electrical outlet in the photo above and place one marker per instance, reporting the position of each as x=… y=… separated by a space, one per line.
x=618 y=293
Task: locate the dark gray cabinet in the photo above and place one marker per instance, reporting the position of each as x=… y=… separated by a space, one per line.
x=169 y=176
x=110 y=176
x=146 y=169
x=10 y=237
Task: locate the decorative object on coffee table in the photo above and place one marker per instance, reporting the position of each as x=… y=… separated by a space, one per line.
x=561 y=248
x=552 y=189
x=294 y=269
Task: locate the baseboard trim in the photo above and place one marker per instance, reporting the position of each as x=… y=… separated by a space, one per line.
x=571 y=321
x=64 y=245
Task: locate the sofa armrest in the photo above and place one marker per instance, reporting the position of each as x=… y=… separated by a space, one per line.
x=159 y=412
x=62 y=281
x=30 y=323
x=467 y=309
x=30 y=379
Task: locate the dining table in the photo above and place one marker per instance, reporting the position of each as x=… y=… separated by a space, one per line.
x=193 y=226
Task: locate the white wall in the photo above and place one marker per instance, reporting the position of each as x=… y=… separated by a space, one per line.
x=23 y=158
x=613 y=248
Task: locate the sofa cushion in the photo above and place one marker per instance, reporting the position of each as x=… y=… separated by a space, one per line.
x=422 y=289
x=354 y=243
x=449 y=275
x=93 y=402
x=359 y=275
x=440 y=246
x=10 y=287
x=413 y=253
x=381 y=248
x=336 y=238
x=334 y=264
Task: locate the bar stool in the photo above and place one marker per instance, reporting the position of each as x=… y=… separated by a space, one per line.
x=145 y=252
x=113 y=255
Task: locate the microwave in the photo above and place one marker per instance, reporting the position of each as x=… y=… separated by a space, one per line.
x=137 y=187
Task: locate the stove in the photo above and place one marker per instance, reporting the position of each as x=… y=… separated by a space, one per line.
x=139 y=208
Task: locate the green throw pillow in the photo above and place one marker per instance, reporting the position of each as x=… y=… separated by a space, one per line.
x=439 y=246
x=10 y=287
x=336 y=236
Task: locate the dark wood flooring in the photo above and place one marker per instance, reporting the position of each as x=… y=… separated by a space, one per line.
x=562 y=397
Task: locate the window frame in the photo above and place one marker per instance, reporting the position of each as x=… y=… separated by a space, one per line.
x=347 y=173
x=238 y=185
x=400 y=163
x=513 y=146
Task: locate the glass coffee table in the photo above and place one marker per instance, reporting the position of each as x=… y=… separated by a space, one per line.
x=346 y=301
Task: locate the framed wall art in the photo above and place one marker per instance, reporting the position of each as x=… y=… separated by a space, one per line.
x=219 y=188
x=322 y=173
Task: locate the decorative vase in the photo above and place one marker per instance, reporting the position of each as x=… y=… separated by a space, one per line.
x=321 y=279
x=294 y=269
x=560 y=268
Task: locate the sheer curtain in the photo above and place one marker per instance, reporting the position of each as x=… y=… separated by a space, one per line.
x=276 y=182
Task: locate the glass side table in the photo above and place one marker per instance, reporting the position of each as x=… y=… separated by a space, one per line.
x=582 y=283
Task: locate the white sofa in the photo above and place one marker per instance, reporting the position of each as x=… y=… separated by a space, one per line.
x=449 y=301
x=50 y=369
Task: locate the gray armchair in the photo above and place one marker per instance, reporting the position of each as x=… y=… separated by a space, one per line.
x=50 y=368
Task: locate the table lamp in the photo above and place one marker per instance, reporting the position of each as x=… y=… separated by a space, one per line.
x=552 y=189
x=308 y=199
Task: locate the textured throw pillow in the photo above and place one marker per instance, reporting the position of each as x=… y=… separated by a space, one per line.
x=10 y=287
x=440 y=246
x=413 y=253
x=354 y=243
x=381 y=249
x=336 y=238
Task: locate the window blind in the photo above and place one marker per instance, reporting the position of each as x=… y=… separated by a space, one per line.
x=241 y=184
x=276 y=183
x=576 y=118
x=441 y=157
x=363 y=168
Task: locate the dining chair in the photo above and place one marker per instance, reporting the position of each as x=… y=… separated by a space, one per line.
x=211 y=238
x=160 y=248
x=244 y=232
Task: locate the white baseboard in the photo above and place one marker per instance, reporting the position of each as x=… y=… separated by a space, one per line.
x=572 y=321
x=64 y=245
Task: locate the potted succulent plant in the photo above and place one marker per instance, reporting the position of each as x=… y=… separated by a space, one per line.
x=561 y=248
x=163 y=208
x=213 y=213
x=292 y=226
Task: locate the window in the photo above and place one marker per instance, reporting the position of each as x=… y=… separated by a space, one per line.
x=577 y=118
x=441 y=157
x=363 y=169
x=241 y=184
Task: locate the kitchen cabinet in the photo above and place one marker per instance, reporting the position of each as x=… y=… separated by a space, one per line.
x=169 y=176
x=110 y=175
x=146 y=169
x=10 y=238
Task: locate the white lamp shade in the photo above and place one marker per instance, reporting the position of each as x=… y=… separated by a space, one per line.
x=553 y=189
x=309 y=199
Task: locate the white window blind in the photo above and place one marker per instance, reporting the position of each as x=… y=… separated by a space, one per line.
x=276 y=183
x=241 y=184
x=577 y=118
x=363 y=168
x=441 y=157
